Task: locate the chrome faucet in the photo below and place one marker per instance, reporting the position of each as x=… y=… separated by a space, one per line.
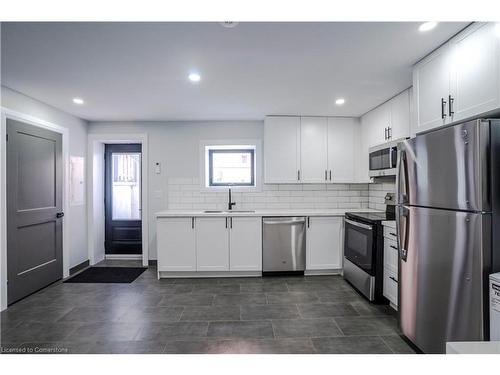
x=230 y=204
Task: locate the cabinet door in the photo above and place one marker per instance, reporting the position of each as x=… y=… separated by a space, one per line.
x=324 y=243
x=176 y=244
x=341 y=149
x=212 y=244
x=245 y=237
x=475 y=64
x=313 y=149
x=400 y=116
x=376 y=121
x=281 y=149
x=431 y=82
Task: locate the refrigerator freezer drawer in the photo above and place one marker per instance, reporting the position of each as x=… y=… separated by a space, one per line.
x=441 y=283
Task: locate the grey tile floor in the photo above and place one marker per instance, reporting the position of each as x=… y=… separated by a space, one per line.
x=317 y=314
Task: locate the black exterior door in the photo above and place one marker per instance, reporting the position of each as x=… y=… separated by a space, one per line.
x=123 y=199
x=34 y=209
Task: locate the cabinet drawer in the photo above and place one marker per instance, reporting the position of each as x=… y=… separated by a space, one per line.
x=390 y=233
x=391 y=257
x=390 y=286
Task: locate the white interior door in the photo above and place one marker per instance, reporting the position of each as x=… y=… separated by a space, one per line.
x=281 y=149
x=212 y=244
x=245 y=244
x=313 y=149
x=341 y=148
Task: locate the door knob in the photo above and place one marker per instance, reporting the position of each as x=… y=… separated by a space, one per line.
x=59 y=215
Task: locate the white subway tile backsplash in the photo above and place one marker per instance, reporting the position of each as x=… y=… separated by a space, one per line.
x=185 y=193
x=377 y=192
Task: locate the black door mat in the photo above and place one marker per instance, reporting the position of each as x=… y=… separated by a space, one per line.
x=107 y=275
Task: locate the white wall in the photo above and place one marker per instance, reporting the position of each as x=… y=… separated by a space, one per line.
x=176 y=145
x=77 y=128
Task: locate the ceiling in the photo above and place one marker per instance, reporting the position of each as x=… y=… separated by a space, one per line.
x=138 y=71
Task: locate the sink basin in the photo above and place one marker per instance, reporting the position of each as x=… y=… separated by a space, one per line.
x=227 y=211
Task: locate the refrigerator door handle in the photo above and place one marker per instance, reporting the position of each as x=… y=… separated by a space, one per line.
x=403 y=225
x=402 y=178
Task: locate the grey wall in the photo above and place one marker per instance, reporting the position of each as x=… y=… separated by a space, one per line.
x=77 y=128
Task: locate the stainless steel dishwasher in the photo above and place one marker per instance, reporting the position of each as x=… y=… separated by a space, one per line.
x=283 y=244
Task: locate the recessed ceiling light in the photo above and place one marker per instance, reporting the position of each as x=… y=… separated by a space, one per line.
x=194 y=77
x=340 y=101
x=78 y=101
x=426 y=26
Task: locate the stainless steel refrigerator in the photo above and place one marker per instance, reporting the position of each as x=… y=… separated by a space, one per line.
x=448 y=191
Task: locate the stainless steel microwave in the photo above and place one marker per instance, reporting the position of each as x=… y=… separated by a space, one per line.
x=383 y=159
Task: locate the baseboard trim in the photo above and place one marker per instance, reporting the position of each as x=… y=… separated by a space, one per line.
x=207 y=274
x=79 y=267
x=123 y=256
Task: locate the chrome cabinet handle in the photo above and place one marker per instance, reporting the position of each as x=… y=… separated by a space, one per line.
x=330 y=174
x=298 y=175
x=450 y=105
x=226 y=222
x=443 y=104
x=394 y=247
x=326 y=175
x=192 y=223
x=393 y=279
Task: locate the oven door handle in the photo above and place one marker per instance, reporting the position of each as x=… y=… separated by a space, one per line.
x=356 y=224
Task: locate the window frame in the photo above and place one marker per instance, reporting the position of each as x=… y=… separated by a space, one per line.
x=228 y=143
x=211 y=151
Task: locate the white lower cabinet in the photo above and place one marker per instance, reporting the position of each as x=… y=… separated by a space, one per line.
x=212 y=244
x=391 y=265
x=176 y=244
x=324 y=243
x=245 y=244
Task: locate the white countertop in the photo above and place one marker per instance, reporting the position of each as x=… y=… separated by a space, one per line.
x=280 y=212
x=473 y=347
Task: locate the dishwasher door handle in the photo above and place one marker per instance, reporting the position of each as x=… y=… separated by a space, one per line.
x=283 y=222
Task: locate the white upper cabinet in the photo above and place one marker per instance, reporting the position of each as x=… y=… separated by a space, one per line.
x=313 y=149
x=176 y=244
x=281 y=149
x=475 y=84
x=212 y=244
x=245 y=243
x=459 y=80
x=431 y=82
x=341 y=138
x=324 y=243
x=400 y=116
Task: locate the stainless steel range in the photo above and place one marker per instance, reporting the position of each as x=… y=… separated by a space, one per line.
x=364 y=250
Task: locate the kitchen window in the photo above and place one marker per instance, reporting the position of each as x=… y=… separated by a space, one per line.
x=230 y=165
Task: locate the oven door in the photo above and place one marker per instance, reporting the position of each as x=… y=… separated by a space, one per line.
x=359 y=244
